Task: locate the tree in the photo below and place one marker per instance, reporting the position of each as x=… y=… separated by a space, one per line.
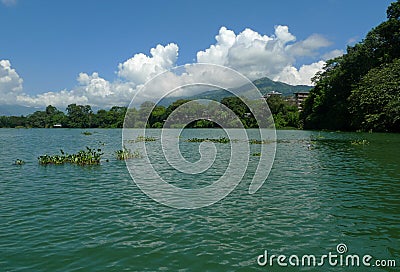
x=157 y=116
x=12 y=121
x=144 y=112
x=79 y=116
x=375 y=103
x=54 y=116
x=101 y=119
x=131 y=118
x=327 y=106
x=285 y=113
x=241 y=110
x=37 y=119
x=116 y=116
x=393 y=11
x=175 y=105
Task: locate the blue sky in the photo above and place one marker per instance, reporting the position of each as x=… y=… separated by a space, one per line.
x=49 y=43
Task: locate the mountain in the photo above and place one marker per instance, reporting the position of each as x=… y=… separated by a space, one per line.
x=15 y=110
x=265 y=85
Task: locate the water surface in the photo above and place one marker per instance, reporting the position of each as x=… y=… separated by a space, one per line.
x=71 y=218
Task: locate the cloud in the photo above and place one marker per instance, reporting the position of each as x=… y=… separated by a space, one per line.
x=97 y=91
x=253 y=54
x=61 y=98
x=10 y=83
x=332 y=54
x=9 y=3
x=352 y=40
x=218 y=53
x=301 y=76
x=140 y=68
x=257 y=55
x=309 y=46
x=187 y=80
x=91 y=89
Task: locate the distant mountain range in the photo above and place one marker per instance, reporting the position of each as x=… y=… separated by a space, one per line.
x=265 y=85
x=15 y=110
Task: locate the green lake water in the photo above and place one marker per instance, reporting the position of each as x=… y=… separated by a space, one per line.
x=72 y=218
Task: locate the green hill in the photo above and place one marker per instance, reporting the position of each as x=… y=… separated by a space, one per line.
x=265 y=85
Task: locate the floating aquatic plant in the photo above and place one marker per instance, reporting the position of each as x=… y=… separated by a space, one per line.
x=125 y=154
x=141 y=138
x=317 y=137
x=359 y=142
x=221 y=140
x=83 y=157
x=87 y=133
x=255 y=141
x=257 y=154
x=19 y=162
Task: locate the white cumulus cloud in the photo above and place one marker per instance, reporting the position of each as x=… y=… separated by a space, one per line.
x=257 y=55
x=91 y=89
x=10 y=83
x=140 y=68
x=97 y=91
x=253 y=54
x=301 y=76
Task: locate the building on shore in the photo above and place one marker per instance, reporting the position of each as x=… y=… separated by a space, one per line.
x=272 y=93
x=299 y=98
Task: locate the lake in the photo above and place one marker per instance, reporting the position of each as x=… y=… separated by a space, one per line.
x=322 y=191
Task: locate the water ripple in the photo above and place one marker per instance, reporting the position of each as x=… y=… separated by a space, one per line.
x=95 y=219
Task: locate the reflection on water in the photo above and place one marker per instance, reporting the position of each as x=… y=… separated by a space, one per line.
x=322 y=191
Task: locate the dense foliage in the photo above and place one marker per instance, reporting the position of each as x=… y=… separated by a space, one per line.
x=154 y=116
x=77 y=116
x=375 y=102
x=285 y=113
x=359 y=90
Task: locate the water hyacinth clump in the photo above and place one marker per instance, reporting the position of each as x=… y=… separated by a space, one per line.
x=141 y=138
x=359 y=142
x=52 y=159
x=83 y=157
x=221 y=140
x=255 y=141
x=19 y=162
x=125 y=154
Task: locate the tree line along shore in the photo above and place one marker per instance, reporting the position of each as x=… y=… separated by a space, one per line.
x=284 y=112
